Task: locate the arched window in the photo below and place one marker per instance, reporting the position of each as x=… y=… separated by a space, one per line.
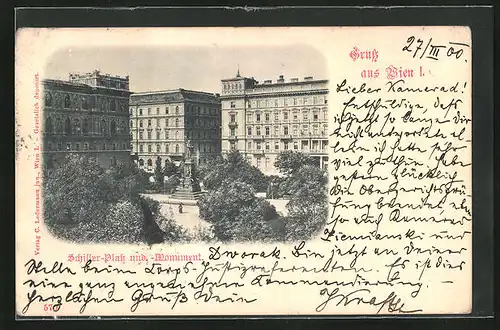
x=114 y=146
x=141 y=162
x=176 y=122
x=113 y=127
x=122 y=127
x=48 y=99
x=150 y=162
x=85 y=128
x=67 y=102
x=131 y=124
x=158 y=148
x=77 y=127
x=176 y=148
x=67 y=126
x=48 y=125
x=103 y=127
x=177 y=110
x=85 y=103
x=112 y=105
x=176 y=135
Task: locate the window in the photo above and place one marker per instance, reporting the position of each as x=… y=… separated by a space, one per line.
x=150 y=148
x=315 y=130
x=176 y=135
x=77 y=146
x=149 y=122
x=249 y=130
x=249 y=104
x=141 y=162
x=233 y=118
x=305 y=100
x=258 y=130
x=167 y=134
x=66 y=102
x=158 y=148
x=257 y=117
x=158 y=133
x=150 y=163
x=112 y=105
x=59 y=146
x=295 y=145
x=285 y=145
x=295 y=115
x=315 y=115
x=285 y=115
x=149 y=111
x=285 y=130
x=276 y=146
x=276 y=116
x=249 y=145
x=113 y=146
x=294 y=130
x=259 y=146
x=258 y=162
x=131 y=124
x=232 y=145
x=276 y=131
x=149 y=135
x=141 y=123
x=267 y=162
x=249 y=117
x=267 y=130
x=326 y=100
x=85 y=103
x=305 y=115
x=325 y=115
x=158 y=122
x=141 y=148
x=267 y=146
x=113 y=127
x=157 y=111
x=166 y=110
x=176 y=148
x=276 y=102
x=176 y=122
x=267 y=116
x=140 y=135
x=233 y=132
x=68 y=146
x=48 y=100
x=177 y=110
x=140 y=112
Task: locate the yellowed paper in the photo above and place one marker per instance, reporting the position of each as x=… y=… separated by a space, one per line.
x=386 y=115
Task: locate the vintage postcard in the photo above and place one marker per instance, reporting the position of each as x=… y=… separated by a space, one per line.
x=243 y=171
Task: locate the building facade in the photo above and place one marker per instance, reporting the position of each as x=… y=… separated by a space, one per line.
x=87 y=115
x=263 y=119
x=163 y=122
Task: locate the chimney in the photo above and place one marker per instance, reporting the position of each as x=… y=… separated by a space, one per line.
x=294 y=79
x=308 y=78
x=281 y=79
x=268 y=81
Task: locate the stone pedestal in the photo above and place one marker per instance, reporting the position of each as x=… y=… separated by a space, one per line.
x=187 y=190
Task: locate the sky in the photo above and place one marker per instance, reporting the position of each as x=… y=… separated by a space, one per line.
x=197 y=68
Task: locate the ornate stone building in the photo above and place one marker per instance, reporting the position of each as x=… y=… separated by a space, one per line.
x=263 y=119
x=87 y=115
x=162 y=122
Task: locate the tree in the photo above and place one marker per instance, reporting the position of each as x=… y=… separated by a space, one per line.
x=158 y=174
x=234 y=167
x=84 y=203
x=236 y=214
x=288 y=162
x=308 y=205
x=170 y=169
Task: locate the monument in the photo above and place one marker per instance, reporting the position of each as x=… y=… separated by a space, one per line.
x=189 y=187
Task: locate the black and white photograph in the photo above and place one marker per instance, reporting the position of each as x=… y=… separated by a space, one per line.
x=174 y=144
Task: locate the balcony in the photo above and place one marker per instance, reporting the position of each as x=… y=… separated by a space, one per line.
x=258 y=152
x=232 y=138
x=258 y=137
x=286 y=137
x=232 y=124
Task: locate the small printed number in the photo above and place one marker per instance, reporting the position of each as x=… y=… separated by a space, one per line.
x=50 y=307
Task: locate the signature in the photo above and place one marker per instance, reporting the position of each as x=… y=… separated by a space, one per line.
x=392 y=302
